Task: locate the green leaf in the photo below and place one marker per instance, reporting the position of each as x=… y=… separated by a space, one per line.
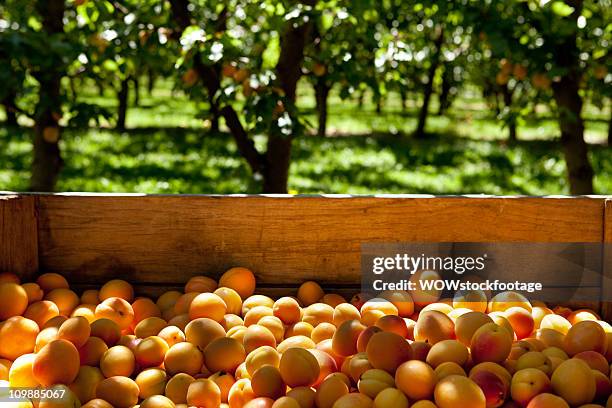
x=272 y=53
x=562 y=9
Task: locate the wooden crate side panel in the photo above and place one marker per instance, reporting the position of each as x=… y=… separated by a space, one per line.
x=157 y=239
x=18 y=235
x=606 y=307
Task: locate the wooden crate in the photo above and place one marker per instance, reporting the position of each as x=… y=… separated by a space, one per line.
x=158 y=242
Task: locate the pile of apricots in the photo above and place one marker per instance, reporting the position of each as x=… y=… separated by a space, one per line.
x=218 y=344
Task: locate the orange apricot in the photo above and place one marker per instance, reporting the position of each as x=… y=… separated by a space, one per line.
x=521 y=321
x=493 y=387
x=76 y=330
x=574 y=381
x=224 y=354
x=256 y=300
x=41 y=312
x=595 y=360
x=232 y=299
x=116 y=288
x=118 y=361
x=330 y=390
x=490 y=342
x=242 y=280
x=20 y=373
x=17 y=336
x=505 y=300
x=92 y=351
x=416 y=379
x=65 y=299
x=207 y=305
x=447 y=351
x=150 y=326
x=97 y=403
x=433 y=326
x=585 y=336
x=157 y=401
x=387 y=351
x=240 y=393
x=204 y=393
x=224 y=381
x=120 y=392
x=56 y=363
x=394 y=324
x=183 y=357
x=547 y=400
x=333 y=299
x=424 y=297
x=458 y=391
x=374 y=381
x=13 y=300
x=34 y=292
x=401 y=300
x=317 y=313
x=353 y=400
x=172 y=335
x=299 y=329
x=167 y=300
x=448 y=368
x=257 y=336
x=365 y=336
x=467 y=324
x=295 y=341
x=151 y=381
x=256 y=313
x=51 y=281
x=85 y=384
x=374 y=309
x=390 y=397
x=201 y=332
x=344 y=341
x=259 y=357
x=298 y=367
x=90 y=297
x=267 y=382
x=117 y=310
x=144 y=308
x=107 y=330
x=177 y=386
x=344 y=312
x=150 y=352
x=286 y=402
x=309 y=292
x=322 y=332
x=200 y=284
x=528 y=383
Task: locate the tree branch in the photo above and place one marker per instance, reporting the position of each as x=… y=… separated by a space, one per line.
x=246 y=146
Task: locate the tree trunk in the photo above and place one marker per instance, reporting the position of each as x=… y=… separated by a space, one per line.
x=378 y=99
x=150 y=81
x=122 y=98
x=428 y=88
x=569 y=104
x=136 y=82
x=321 y=94
x=507 y=94
x=404 y=97
x=360 y=100
x=214 y=113
x=9 y=108
x=47 y=162
x=445 y=90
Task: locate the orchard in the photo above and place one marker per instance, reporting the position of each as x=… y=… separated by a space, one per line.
x=223 y=344
x=83 y=80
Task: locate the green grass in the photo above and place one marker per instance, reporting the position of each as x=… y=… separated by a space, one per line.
x=168 y=150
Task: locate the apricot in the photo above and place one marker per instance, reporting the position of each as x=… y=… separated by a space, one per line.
x=550 y=337
x=267 y=382
x=318 y=313
x=327 y=365
x=183 y=303
x=505 y=300
x=45 y=337
x=521 y=321
x=555 y=352
x=240 y=393
x=118 y=361
x=257 y=336
x=34 y=292
x=416 y=379
x=51 y=281
x=423 y=297
x=401 y=300
x=207 y=305
x=528 y=383
x=299 y=329
x=13 y=300
x=420 y=350
x=265 y=355
x=204 y=393
x=120 y=392
x=232 y=299
x=90 y=297
x=344 y=341
x=8 y=277
x=374 y=309
x=177 y=386
x=298 y=367
x=65 y=299
x=5 y=366
x=92 y=351
x=535 y=359
x=356 y=366
x=97 y=403
x=69 y=399
x=224 y=354
x=256 y=313
x=555 y=322
x=595 y=360
x=345 y=312
x=167 y=300
x=76 y=330
x=394 y=324
x=143 y=309
x=201 y=332
x=493 y=387
x=467 y=324
x=56 y=363
x=326 y=346
x=475 y=300
x=424 y=404
x=330 y=391
x=172 y=335
x=200 y=284
x=260 y=402
x=448 y=368
x=86 y=311
x=116 y=288
x=17 y=337
x=603 y=386
x=494 y=368
x=458 y=391
x=275 y=325
x=538 y=313
x=447 y=351
x=490 y=342
x=117 y=310
x=224 y=381
x=256 y=300
x=183 y=357
x=374 y=381
x=86 y=382
x=242 y=280
x=387 y=351
x=547 y=400
x=581 y=315
x=438 y=306
x=151 y=381
x=585 y=336
x=150 y=352
x=305 y=396
x=20 y=373
x=232 y=320
x=390 y=397
x=286 y=402
x=574 y=381
x=433 y=326
x=353 y=400
x=149 y=326
x=295 y=341
x=157 y=401
x=309 y=292
x=107 y=330
x=322 y=332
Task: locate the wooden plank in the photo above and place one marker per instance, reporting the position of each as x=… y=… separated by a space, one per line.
x=167 y=239
x=606 y=296
x=18 y=235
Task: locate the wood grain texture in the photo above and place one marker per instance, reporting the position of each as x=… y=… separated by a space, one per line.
x=167 y=239
x=18 y=235
x=606 y=296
